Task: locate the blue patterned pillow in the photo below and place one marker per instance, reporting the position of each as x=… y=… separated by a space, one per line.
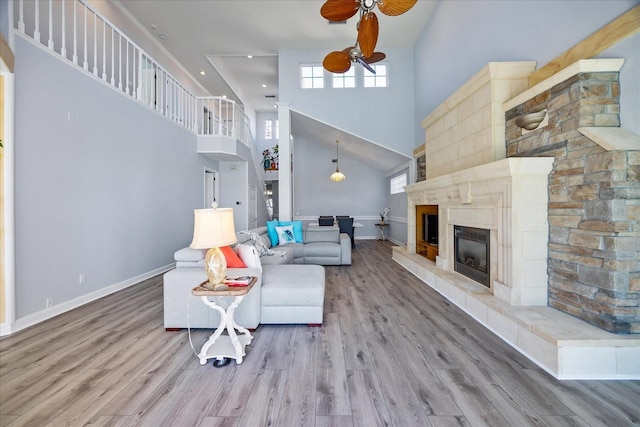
x=297 y=229
x=285 y=235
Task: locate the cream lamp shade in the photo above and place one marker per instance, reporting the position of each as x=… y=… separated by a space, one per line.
x=212 y=229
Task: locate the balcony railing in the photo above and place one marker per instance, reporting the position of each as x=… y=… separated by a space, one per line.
x=75 y=31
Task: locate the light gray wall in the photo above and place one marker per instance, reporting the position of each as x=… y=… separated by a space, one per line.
x=446 y=57
x=109 y=193
x=384 y=116
x=362 y=194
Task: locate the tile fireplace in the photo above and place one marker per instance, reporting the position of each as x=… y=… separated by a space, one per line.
x=484 y=172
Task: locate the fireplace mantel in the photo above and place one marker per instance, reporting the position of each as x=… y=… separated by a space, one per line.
x=507 y=197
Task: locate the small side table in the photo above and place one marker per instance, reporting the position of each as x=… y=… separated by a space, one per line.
x=225 y=347
x=381 y=227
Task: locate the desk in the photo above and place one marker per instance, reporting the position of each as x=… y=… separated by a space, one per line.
x=381 y=226
x=225 y=347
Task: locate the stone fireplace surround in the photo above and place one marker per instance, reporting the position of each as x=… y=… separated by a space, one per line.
x=509 y=197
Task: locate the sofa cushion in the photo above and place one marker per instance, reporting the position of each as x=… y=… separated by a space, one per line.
x=233 y=261
x=322 y=249
x=297 y=229
x=285 y=235
x=293 y=285
x=322 y=234
x=249 y=255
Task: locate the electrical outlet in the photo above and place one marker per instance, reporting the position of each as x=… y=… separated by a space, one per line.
x=82 y=278
x=49 y=302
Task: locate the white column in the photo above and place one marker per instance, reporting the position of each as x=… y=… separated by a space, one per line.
x=285 y=176
x=8 y=251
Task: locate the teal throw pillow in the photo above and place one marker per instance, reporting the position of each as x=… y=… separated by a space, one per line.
x=297 y=229
x=271 y=231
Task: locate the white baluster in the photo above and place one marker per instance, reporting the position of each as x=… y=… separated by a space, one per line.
x=75 y=33
x=113 y=59
x=85 y=63
x=21 y=16
x=36 y=31
x=95 y=44
x=63 y=48
x=50 y=41
x=136 y=67
x=127 y=68
x=119 y=61
x=104 y=51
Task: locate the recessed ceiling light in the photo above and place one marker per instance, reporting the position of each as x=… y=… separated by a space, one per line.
x=162 y=37
x=224 y=96
x=264 y=85
x=203 y=73
x=154 y=27
x=249 y=56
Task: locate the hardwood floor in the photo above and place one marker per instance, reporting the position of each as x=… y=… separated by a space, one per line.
x=391 y=351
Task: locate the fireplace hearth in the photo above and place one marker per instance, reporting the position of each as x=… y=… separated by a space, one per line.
x=472 y=256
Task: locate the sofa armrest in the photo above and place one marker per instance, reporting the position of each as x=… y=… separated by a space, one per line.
x=345 y=246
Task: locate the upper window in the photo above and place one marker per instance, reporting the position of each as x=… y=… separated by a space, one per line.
x=345 y=80
x=271 y=128
x=397 y=183
x=379 y=79
x=311 y=76
x=268 y=129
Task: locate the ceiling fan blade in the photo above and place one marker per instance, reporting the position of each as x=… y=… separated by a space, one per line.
x=395 y=7
x=339 y=10
x=337 y=62
x=368 y=33
x=377 y=56
x=365 y=65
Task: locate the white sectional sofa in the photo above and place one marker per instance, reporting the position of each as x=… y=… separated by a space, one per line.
x=290 y=289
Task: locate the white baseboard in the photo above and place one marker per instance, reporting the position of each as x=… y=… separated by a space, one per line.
x=48 y=313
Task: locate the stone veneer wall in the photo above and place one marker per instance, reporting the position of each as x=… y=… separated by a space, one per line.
x=594 y=201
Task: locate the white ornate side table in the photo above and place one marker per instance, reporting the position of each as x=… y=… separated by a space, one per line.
x=220 y=347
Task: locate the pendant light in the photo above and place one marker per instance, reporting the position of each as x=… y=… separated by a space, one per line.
x=337 y=176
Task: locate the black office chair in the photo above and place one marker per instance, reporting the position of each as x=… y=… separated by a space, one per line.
x=342 y=216
x=346 y=226
x=325 y=220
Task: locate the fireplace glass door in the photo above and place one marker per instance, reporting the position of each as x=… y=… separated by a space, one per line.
x=471 y=248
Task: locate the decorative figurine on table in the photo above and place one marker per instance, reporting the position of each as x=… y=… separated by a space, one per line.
x=383 y=215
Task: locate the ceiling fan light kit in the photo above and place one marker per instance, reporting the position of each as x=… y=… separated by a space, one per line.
x=363 y=52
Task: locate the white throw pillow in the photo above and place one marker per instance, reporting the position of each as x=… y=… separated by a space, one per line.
x=249 y=255
x=285 y=235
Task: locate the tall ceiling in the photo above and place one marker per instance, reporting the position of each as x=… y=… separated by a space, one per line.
x=217 y=36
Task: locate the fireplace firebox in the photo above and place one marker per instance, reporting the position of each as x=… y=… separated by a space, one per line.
x=471 y=247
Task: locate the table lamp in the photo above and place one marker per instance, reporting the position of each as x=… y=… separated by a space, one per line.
x=212 y=229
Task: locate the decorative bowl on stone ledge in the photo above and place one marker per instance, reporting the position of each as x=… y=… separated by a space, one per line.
x=531 y=121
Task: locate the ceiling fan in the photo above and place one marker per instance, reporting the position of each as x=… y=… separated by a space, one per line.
x=362 y=52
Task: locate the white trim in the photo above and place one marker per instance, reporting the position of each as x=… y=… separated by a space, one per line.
x=41 y=316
